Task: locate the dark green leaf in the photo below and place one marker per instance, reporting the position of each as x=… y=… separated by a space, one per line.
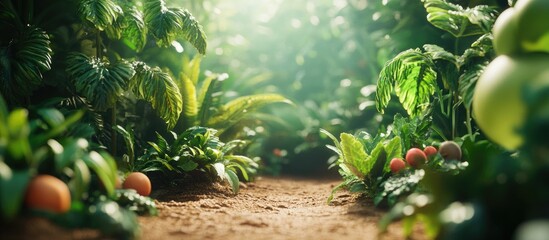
x=99 y=81
x=193 y=32
x=468 y=81
x=12 y=190
x=135 y=33
x=458 y=21
x=53 y=117
x=100 y=13
x=398 y=185
x=130 y=199
x=22 y=63
x=158 y=88
x=113 y=221
x=163 y=23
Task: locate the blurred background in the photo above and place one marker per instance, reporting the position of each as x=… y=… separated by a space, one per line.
x=325 y=56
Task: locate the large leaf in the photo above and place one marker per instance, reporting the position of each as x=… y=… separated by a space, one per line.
x=237 y=109
x=354 y=156
x=164 y=23
x=412 y=74
x=158 y=88
x=193 y=32
x=100 y=13
x=458 y=21
x=99 y=81
x=135 y=32
x=22 y=62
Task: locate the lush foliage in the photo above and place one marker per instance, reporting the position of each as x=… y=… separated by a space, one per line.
x=73 y=78
x=456 y=199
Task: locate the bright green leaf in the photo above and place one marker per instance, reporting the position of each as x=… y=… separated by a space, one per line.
x=458 y=21
x=100 y=13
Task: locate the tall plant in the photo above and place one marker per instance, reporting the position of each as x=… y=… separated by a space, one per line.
x=420 y=77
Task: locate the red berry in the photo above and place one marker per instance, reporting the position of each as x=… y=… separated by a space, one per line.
x=396 y=165
x=416 y=157
x=430 y=150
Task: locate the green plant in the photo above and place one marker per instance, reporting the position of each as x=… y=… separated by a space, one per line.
x=197 y=150
x=94 y=49
x=204 y=106
x=416 y=76
x=47 y=143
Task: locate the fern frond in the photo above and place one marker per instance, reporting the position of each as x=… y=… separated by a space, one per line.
x=190 y=104
x=235 y=110
x=208 y=99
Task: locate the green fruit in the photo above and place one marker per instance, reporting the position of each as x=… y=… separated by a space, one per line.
x=505 y=33
x=498 y=103
x=532 y=25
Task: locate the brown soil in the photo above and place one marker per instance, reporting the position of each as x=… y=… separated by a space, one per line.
x=269 y=208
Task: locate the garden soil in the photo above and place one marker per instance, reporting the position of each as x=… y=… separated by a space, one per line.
x=268 y=208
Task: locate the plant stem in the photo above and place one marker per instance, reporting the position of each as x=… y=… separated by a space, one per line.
x=468 y=121
x=113 y=131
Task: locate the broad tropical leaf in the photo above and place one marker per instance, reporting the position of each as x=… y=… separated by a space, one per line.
x=193 y=32
x=99 y=81
x=412 y=74
x=164 y=23
x=237 y=109
x=158 y=88
x=354 y=156
x=100 y=13
x=458 y=21
x=135 y=33
x=22 y=62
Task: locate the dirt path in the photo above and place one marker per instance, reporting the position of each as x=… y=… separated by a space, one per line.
x=269 y=208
